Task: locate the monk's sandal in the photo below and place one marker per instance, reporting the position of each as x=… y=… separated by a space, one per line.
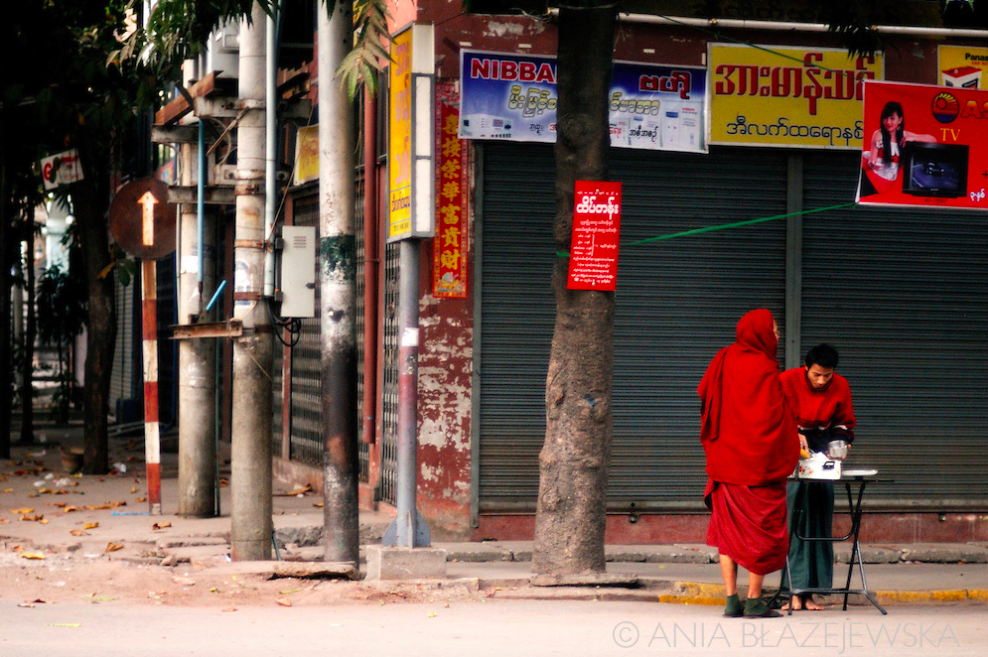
x=756 y=608
x=733 y=608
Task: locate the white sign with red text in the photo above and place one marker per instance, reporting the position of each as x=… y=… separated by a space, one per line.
x=61 y=169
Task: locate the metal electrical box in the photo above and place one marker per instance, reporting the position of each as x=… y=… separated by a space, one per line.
x=298 y=271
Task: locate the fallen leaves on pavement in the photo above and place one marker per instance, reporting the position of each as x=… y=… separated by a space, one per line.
x=32 y=555
x=284 y=602
x=31 y=604
x=107 y=505
x=90 y=525
x=113 y=547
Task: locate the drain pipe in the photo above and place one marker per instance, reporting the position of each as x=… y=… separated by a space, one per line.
x=736 y=24
x=270 y=146
x=201 y=211
x=372 y=258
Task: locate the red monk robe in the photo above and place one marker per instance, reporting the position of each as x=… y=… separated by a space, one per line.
x=749 y=436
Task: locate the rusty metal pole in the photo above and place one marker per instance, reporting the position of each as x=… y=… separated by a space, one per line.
x=371 y=262
x=337 y=289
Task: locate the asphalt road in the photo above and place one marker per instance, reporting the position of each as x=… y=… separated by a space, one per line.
x=479 y=628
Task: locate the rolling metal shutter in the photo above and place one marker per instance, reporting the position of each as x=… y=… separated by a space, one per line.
x=678 y=302
x=306 y=443
x=902 y=295
x=123 y=381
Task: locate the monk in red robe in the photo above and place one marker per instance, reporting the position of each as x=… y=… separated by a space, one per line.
x=749 y=435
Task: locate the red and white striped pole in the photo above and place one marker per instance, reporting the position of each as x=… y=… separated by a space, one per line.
x=152 y=450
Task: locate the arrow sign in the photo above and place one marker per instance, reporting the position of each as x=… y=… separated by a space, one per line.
x=147 y=217
x=142 y=221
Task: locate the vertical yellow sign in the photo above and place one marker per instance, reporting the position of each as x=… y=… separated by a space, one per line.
x=400 y=139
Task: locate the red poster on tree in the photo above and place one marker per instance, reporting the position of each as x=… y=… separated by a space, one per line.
x=596 y=228
x=451 y=243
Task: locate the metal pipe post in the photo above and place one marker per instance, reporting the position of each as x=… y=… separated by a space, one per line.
x=371 y=261
x=152 y=442
x=408 y=352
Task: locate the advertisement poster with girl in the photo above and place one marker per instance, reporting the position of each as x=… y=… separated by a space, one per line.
x=924 y=146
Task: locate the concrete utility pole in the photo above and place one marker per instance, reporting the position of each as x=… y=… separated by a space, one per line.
x=251 y=524
x=196 y=357
x=337 y=288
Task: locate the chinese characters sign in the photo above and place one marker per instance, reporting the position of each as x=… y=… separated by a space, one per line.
x=451 y=243
x=593 y=257
x=810 y=98
x=926 y=146
x=513 y=97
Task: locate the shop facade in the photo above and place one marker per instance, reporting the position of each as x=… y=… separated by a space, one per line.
x=901 y=292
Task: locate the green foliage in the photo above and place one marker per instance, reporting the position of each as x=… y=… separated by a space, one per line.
x=364 y=62
x=61 y=306
x=177 y=30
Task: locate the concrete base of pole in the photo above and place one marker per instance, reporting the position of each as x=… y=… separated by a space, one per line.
x=405 y=563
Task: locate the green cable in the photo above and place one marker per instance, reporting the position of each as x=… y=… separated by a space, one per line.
x=736 y=224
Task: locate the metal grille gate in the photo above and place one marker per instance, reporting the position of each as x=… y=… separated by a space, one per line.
x=389 y=392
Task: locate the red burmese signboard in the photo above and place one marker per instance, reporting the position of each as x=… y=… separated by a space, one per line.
x=596 y=228
x=924 y=146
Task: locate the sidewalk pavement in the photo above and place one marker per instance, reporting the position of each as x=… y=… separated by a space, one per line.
x=45 y=511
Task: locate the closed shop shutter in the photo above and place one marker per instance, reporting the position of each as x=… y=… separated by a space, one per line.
x=306 y=442
x=902 y=295
x=122 y=379
x=678 y=302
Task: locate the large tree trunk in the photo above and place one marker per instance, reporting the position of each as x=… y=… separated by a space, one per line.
x=6 y=263
x=90 y=202
x=569 y=524
x=30 y=334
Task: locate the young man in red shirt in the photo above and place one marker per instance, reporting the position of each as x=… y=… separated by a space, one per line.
x=821 y=400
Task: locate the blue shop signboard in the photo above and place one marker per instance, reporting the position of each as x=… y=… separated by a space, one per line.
x=513 y=97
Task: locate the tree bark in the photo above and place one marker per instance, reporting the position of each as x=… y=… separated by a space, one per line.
x=6 y=339
x=90 y=201
x=30 y=335
x=570 y=518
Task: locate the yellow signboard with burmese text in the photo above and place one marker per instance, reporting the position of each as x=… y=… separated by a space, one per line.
x=400 y=138
x=791 y=97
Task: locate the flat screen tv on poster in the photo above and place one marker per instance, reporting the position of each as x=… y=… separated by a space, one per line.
x=925 y=146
